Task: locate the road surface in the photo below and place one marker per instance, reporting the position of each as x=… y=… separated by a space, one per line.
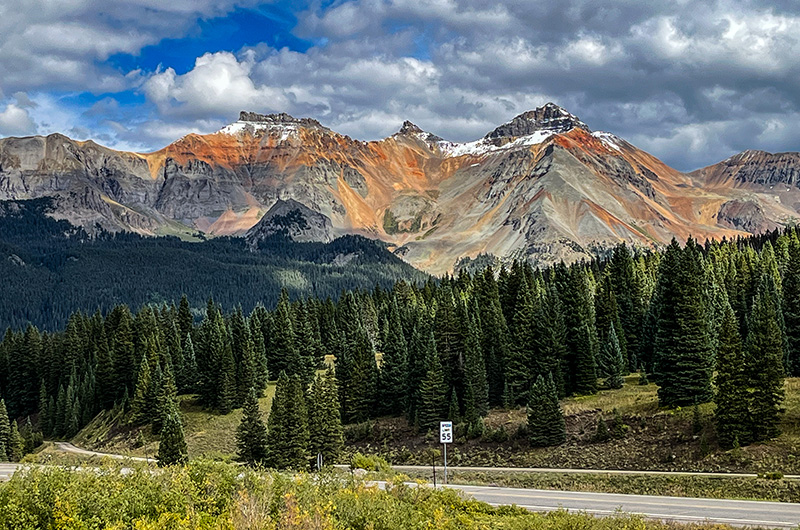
x=6 y=470
x=69 y=448
x=478 y=469
x=681 y=509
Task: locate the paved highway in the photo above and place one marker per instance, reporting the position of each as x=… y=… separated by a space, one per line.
x=738 y=513
x=478 y=469
x=69 y=448
x=6 y=470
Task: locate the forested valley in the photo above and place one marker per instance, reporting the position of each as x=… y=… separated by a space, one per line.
x=51 y=268
x=719 y=321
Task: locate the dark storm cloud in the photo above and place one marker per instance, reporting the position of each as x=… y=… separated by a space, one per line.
x=692 y=82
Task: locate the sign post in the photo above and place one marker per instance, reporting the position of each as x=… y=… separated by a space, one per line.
x=445 y=437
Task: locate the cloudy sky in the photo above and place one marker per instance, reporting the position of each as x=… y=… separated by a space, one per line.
x=691 y=82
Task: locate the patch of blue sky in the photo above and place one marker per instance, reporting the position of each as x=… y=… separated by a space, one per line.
x=269 y=24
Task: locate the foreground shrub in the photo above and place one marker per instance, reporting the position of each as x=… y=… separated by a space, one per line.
x=218 y=496
x=370 y=463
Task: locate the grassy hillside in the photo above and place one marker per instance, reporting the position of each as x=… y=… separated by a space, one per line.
x=655 y=439
x=208 y=434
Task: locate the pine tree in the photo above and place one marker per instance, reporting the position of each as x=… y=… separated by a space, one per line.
x=476 y=393
x=259 y=352
x=140 y=408
x=185 y=320
x=580 y=361
x=5 y=432
x=190 y=377
x=732 y=415
x=612 y=364
x=453 y=410
x=520 y=362
x=324 y=418
x=432 y=391
x=283 y=355
x=45 y=411
x=602 y=433
x=363 y=379
x=493 y=334
x=59 y=421
x=791 y=308
x=607 y=314
x=764 y=354
x=550 y=339
x=172 y=448
x=546 y=426
x=166 y=401
x=394 y=366
x=628 y=294
x=251 y=434
x=287 y=435
x=244 y=357
x=123 y=348
x=226 y=389
x=684 y=359
x=17 y=443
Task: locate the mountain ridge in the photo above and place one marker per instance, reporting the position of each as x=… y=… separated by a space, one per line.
x=542 y=185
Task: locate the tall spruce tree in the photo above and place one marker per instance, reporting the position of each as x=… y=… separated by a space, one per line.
x=243 y=355
x=432 y=403
x=628 y=292
x=363 y=378
x=394 y=366
x=580 y=361
x=476 y=393
x=283 y=355
x=732 y=396
x=764 y=354
x=494 y=334
x=251 y=434
x=287 y=435
x=612 y=364
x=140 y=408
x=550 y=338
x=324 y=418
x=546 y=425
x=683 y=347
x=5 y=432
x=172 y=449
x=791 y=308
x=520 y=361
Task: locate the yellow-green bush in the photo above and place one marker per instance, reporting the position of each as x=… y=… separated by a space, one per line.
x=218 y=496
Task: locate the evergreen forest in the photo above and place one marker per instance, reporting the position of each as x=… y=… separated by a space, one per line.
x=51 y=268
x=719 y=321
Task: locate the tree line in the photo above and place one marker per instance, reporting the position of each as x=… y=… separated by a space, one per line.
x=719 y=321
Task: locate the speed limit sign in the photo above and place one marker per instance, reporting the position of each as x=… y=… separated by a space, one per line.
x=446 y=432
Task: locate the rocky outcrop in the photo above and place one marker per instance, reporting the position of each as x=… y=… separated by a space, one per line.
x=549 y=118
x=755 y=168
x=293 y=220
x=747 y=216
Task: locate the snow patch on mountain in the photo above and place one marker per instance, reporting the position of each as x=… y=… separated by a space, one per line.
x=608 y=139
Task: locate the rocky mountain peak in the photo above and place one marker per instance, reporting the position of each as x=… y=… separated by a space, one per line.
x=281 y=123
x=409 y=128
x=547 y=118
x=294 y=220
x=281 y=118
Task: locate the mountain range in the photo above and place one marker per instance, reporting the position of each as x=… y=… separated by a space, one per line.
x=543 y=186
